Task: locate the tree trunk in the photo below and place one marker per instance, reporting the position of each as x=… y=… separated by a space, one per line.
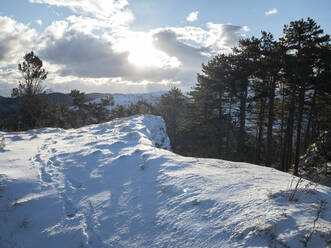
x=282 y=118
x=242 y=120
x=290 y=145
x=229 y=129
x=271 y=97
x=286 y=152
x=260 y=132
x=307 y=137
x=220 y=129
x=299 y=127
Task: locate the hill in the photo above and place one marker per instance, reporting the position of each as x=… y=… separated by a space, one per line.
x=118 y=184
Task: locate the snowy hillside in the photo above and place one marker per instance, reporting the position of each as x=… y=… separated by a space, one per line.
x=117 y=185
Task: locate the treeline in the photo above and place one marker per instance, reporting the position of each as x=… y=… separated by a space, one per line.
x=264 y=103
x=35 y=109
x=38 y=111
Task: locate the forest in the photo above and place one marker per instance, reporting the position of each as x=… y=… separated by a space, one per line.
x=264 y=103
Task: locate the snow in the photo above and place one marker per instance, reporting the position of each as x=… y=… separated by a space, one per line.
x=118 y=184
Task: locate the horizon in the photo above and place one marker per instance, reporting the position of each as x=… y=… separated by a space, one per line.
x=91 y=93
x=134 y=47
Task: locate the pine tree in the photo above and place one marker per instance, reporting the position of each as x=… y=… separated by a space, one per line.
x=302 y=41
x=34 y=106
x=171 y=107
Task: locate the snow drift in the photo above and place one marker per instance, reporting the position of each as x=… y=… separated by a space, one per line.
x=117 y=185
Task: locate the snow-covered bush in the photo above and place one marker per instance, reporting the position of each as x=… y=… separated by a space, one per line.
x=315 y=164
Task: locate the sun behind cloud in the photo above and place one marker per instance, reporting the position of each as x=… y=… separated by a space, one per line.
x=142 y=53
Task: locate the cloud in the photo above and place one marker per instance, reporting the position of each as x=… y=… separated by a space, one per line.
x=213 y=39
x=224 y=36
x=89 y=56
x=114 y=12
x=194 y=45
x=15 y=40
x=245 y=28
x=40 y=22
x=81 y=54
x=190 y=56
x=192 y=16
x=271 y=12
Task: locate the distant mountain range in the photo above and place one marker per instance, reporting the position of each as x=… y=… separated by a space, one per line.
x=9 y=104
x=127 y=99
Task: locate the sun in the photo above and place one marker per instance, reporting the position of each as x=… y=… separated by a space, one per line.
x=142 y=53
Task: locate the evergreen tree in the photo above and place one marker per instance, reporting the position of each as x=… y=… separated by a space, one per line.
x=171 y=107
x=33 y=74
x=270 y=69
x=302 y=41
x=34 y=106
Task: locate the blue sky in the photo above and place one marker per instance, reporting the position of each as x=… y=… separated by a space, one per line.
x=135 y=46
x=250 y=13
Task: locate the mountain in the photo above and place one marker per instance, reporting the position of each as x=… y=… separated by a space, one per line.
x=117 y=184
x=127 y=99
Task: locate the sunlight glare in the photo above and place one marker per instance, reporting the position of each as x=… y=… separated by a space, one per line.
x=143 y=54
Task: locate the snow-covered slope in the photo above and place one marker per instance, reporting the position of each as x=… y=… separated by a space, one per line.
x=117 y=185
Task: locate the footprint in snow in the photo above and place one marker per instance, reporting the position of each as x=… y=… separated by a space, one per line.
x=38 y=158
x=52 y=162
x=45 y=177
x=69 y=207
x=74 y=183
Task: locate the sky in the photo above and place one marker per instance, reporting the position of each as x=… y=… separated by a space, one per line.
x=135 y=46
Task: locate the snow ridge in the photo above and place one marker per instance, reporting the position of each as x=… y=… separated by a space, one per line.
x=117 y=185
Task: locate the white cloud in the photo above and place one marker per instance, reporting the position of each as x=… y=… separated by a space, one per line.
x=56 y=30
x=179 y=52
x=40 y=22
x=191 y=57
x=15 y=40
x=192 y=16
x=213 y=39
x=114 y=12
x=90 y=56
x=271 y=12
x=246 y=28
